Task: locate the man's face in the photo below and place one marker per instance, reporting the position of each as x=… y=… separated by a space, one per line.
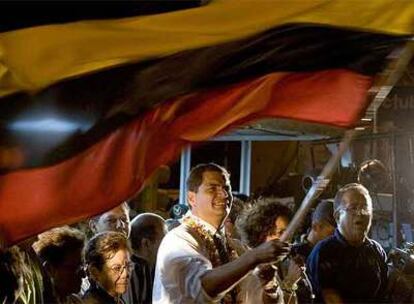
x=114 y=275
x=278 y=229
x=354 y=216
x=323 y=230
x=116 y=220
x=212 y=201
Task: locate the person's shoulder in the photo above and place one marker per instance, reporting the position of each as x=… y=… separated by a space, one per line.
x=328 y=244
x=177 y=240
x=90 y=298
x=377 y=247
x=326 y=248
x=180 y=232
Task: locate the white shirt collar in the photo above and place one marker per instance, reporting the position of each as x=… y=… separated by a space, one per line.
x=210 y=228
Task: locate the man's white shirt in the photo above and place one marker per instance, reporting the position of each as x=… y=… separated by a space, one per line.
x=181 y=263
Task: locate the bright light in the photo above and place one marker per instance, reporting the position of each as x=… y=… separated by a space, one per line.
x=47 y=125
x=412 y=256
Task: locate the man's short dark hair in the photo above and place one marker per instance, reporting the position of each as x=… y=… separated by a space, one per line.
x=195 y=179
x=54 y=245
x=255 y=223
x=324 y=213
x=145 y=226
x=349 y=187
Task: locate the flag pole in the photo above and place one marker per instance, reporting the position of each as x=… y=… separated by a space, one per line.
x=318 y=187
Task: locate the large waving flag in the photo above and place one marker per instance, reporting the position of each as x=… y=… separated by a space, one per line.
x=91 y=108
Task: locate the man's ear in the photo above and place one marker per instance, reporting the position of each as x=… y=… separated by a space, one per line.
x=93 y=271
x=92 y=226
x=191 y=198
x=336 y=216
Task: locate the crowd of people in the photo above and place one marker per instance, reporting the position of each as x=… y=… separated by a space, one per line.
x=214 y=254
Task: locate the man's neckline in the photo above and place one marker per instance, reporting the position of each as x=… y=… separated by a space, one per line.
x=210 y=228
x=342 y=239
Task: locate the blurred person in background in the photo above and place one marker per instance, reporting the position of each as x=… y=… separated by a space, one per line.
x=116 y=219
x=60 y=252
x=147 y=231
x=322 y=226
x=267 y=219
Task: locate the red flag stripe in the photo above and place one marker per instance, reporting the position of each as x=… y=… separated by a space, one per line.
x=32 y=201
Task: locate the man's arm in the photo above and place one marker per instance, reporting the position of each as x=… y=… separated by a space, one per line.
x=220 y=279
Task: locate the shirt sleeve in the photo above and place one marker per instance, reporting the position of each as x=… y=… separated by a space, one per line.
x=187 y=272
x=180 y=268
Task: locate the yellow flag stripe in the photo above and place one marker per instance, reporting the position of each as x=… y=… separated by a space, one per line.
x=34 y=58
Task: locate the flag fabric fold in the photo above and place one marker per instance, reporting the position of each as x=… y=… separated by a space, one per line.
x=90 y=109
x=115 y=167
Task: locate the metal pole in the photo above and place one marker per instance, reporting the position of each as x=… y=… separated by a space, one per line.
x=185 y=166
x=245 y=166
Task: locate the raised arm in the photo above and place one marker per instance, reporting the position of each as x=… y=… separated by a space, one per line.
x=220 y=279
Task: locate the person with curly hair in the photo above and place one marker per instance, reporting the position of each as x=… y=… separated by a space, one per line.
x=266 y=220
x=60 y=252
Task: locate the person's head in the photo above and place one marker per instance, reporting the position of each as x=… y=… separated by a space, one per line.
x=60 y=251
x=353 y=212
x=209 y=193
x=323 y=222
x=107 y=257
x=266 y=220
x=12 y=271
x=116 y=219
x=147 y=231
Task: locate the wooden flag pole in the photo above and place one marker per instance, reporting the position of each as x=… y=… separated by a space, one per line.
x=318 y=187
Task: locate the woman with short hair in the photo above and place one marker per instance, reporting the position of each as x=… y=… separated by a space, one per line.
x=107 y=257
